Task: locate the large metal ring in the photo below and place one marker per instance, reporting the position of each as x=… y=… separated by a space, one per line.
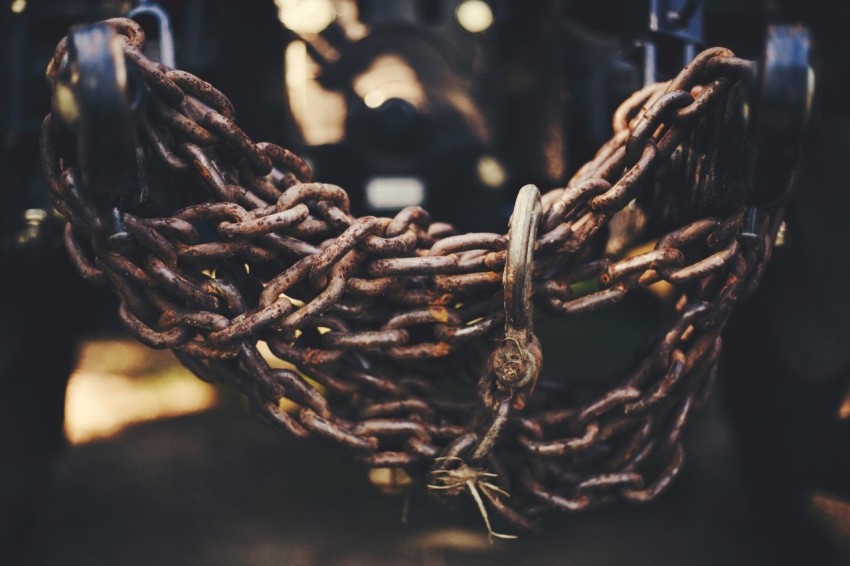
x=516 y=278
x=167 y=54
x=512 y=364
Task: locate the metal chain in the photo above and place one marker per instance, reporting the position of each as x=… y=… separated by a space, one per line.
x=387 y=326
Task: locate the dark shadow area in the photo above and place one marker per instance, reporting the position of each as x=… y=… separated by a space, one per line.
x=219 y=488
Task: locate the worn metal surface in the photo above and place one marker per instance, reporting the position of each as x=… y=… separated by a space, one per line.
x=402 y=320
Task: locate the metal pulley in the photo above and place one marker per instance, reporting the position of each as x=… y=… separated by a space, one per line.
x=781 y=114
x=100 y=97
x=746 y=152
x=97 y=94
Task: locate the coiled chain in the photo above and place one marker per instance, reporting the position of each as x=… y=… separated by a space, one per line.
x=391 y=334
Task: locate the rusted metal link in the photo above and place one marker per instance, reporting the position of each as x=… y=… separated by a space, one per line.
x=552 y=499
x=665 y=257
x=84 y=267
x=606 y=481
x=588 y=303
x=257 y=227
x=652 y=119
x=366 y=339
x=173 y=338
x=203 y=91
x=565 y=446
x=327 y=429
x=661 y=483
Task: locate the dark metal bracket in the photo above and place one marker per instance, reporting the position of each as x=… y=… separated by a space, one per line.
x=676 y=21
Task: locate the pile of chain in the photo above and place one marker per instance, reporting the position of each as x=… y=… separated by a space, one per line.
x=392 y=330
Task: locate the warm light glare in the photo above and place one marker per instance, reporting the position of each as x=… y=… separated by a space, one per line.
x=306 y=16
x=119 y=383
x=320 y=113
x=844 y=409
x=454 y=539
x=19 y=6
x=475 y=16
x=374 y=99
x=831 y=512
x=389 y=76
x=491 y=172
x=394 y=193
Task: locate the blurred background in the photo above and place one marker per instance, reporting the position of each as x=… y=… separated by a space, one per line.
x=452 y=105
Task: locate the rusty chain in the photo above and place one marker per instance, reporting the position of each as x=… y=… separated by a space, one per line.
x=394 y=331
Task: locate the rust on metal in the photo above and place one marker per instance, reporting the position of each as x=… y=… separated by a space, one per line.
x=422 y=338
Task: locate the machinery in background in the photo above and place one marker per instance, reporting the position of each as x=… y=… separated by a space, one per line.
x=453 y=105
